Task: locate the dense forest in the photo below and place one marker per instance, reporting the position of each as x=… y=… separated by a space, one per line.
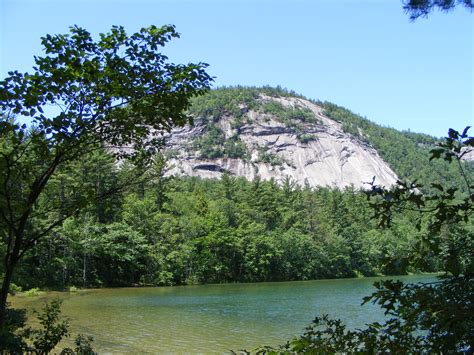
x=165 y=230
x=189 y=230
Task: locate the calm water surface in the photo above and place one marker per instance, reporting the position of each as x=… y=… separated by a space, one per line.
x=210 y=318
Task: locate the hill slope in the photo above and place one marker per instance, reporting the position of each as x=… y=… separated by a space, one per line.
x=274 y=137
x=278 y=134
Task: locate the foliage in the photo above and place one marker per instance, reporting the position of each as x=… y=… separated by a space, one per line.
x=289 y=115
x=83 y=346
x=435 y=317
x=225 y=101
x=421 y=8
x=235 y=102
x=46 y=338
x=448 y=210
x=188 y=230
x=82 y=95
x=235 y=148
x=191 y=230
x=33 y=292
x=267 y=157
x=329 y=336
x=211 y=144
x=14 y=289
x=422 y=320
x=17 y=337
x=407 y=153
x=13 y=335
x=306 y=138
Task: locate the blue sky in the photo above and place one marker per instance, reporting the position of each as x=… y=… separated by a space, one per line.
x=362 y=54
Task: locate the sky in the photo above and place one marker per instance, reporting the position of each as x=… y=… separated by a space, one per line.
x=364 y=55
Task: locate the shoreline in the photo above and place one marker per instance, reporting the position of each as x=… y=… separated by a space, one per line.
x=48 y=291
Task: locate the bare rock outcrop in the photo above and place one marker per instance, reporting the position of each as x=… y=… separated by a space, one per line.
x=327 y=156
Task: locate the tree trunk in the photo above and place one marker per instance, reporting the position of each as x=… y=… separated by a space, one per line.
x=4 y=294
x=17 y=232
x=84 y=281
x=11 y=260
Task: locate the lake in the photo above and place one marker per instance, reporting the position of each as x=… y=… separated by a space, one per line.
x=210 y=318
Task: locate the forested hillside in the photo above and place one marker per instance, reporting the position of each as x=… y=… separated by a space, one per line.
x=170 y=230
x=407 y=153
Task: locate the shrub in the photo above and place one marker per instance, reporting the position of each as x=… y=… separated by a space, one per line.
x=306 y=138
x=33 y=292
x=17 y=338
x=14 y=289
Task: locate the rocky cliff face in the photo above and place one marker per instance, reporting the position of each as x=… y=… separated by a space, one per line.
x=310 y=150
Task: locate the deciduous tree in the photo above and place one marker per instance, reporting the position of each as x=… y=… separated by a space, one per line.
x=84 y=93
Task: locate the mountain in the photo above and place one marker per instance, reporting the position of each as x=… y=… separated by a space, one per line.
x=274 y=133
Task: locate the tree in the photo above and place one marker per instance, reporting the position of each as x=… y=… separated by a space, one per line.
x=421 y=8
x=118 y=92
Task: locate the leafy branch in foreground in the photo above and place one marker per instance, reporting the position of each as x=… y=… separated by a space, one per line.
x=444 y=215
x=421 y=8
x=17 y=337
x=82 y=95
x=436 y=317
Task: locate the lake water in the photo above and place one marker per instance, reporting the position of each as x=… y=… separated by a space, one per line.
x=210 y=318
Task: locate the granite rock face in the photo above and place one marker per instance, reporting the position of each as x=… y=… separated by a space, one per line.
x=329 y=157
